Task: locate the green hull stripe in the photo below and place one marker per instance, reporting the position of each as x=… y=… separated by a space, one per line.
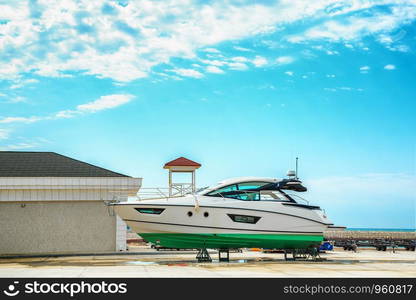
x=207 y=240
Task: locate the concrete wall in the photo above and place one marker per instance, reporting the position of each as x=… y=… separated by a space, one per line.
x=54 y=195
x=40 y=215
x=121 y=234
x=56 y=227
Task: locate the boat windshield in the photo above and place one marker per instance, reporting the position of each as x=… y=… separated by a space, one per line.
x=242 y=186
x=249 y=191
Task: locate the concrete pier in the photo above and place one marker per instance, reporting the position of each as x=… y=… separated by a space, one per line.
x=147 y=262
x=361 y=235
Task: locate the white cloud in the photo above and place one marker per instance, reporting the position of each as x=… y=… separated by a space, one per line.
x=237 y=66
x=393 y=42
x=214 y=69
x=18 y=146
x=239 y=59
x=126 y=42
x=354 y=27
x=283 y=60
x=385 y=39
x=259 y=61
x=238 y=63
x=102 y=103
x=20 y=120
x=389 y=67
x=4 y=134
x=214 y=62
x=211 y=50
x=332 y=52
x=16 y=99
x=21 y=83
x=66 y=114
x=267 y=87
x=238 y=48
x=364 y=69
x=400 y=48
x=330 y=89
x=106 y=102
x=289 y=73
x=188 y=73
x=344 y=88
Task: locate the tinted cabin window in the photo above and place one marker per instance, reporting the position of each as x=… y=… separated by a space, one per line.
x=273 y=196
x=245 y=196
x=240 y=191
x=228 y=188
x=152 y=211
x=244 y=219
x=251 y=185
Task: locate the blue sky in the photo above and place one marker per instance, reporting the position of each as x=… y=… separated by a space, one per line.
x=243 y=87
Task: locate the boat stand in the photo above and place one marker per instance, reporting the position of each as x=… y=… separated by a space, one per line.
x=203 y=255
x=303 y=254
x=227 y=257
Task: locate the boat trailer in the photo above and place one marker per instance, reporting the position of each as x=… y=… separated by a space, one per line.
x=379 y=244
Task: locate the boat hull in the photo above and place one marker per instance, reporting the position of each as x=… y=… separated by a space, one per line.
x=180 y=224
x=233 y=240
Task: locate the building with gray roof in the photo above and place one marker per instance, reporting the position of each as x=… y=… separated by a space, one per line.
x=51 y=203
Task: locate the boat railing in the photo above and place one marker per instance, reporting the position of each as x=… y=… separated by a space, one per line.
x=152 y=193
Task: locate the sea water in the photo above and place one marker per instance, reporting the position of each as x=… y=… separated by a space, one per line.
x=383 y=229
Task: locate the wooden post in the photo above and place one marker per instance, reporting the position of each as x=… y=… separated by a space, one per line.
x=193 y=182
x=170 y=183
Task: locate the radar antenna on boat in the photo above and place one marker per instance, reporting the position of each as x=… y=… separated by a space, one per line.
x=293 y=174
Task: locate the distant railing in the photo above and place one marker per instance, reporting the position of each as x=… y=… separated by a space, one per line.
x=177 y=190
x=152 y=193
x=181 y=189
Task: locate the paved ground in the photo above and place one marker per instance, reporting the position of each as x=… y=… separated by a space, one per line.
x=149 y=263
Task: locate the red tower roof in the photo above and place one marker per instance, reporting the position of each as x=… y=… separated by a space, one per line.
x=181 y=162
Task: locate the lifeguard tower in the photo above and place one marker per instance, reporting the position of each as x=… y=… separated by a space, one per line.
x=181 y=165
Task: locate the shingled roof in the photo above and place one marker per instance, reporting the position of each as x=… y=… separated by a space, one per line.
x=182 y=162
x=48 y=164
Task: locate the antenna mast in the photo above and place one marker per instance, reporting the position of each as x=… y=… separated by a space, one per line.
x=297 y=168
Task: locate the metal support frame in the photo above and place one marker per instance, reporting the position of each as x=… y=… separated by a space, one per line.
x=303 y=254
x=226 y=258
x=203 y=255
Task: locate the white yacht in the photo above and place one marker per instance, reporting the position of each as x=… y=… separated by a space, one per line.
x=235 y=213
